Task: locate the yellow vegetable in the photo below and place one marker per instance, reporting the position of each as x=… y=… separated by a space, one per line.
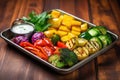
x=66 y=23
x=84 y=27
x=81 y=53
x=71 y=35
x=65 y=38
x=67 y=20
x=75 y=22
x=64 y=28
x=56 y=22
x=50 y=33
x=67 y=17
x=76 y=28
x=75 y=32
x=61 y=33
x=55 y=14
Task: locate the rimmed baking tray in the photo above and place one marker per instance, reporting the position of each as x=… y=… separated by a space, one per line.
x=7 y=35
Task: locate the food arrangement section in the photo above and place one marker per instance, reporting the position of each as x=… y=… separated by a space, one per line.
x=61 y=39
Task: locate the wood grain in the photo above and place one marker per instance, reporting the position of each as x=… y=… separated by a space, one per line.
x=14 y=65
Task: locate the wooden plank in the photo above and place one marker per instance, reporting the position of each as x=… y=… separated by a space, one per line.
x=116 y=10
x=51 y=4
x=102 y=15
x=68 y=6
x=7 y=14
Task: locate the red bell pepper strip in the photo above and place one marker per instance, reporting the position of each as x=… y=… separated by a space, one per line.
x=37 y=52
x=24 y=44
x=42 y=50
x=40 y=42
x=48 y=50
x=48 y=42
x=61 y=45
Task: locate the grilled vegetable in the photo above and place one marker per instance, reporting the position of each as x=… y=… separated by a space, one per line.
x=81 y=41
x=72 y=43
x=90 y=48
x=76 y=42
x=96 y=39
x=81 y=52
x=95 y=45
x=68 y=57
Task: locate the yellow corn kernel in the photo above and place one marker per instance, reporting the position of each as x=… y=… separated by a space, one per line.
x=75 y=22
x=55 y=14
x=64 y=28
x=75 y=32
x=76 y=28
x=84 y=27
x=50 y=33
x=61 y=33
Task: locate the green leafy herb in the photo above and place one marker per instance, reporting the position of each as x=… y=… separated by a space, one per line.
x=40 y=21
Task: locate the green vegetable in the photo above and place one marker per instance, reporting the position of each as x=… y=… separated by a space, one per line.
x=40 y=21
x=68 y=57
x=109 y=38
x=94 y=31
x=85 y=35
x=55 y=60
x=106 y=39
x=55 y=38
x=102 y=29
x=96 y=39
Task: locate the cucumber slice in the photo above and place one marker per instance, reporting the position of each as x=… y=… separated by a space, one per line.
x=85 y=35
x=104 y=40
x=109 y=38
x=94 y=31
x=102 y=29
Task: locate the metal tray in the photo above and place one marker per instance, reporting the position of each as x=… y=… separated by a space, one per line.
x=7 y=35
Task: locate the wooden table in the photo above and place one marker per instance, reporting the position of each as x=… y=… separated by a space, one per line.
x=14 y=65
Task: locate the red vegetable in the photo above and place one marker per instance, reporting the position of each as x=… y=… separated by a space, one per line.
x=24 y=44
x=40 y=42
x=61 y=45
x=48 y=50
x=37 y=52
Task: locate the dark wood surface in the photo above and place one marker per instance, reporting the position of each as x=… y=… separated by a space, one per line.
x=14 y=65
